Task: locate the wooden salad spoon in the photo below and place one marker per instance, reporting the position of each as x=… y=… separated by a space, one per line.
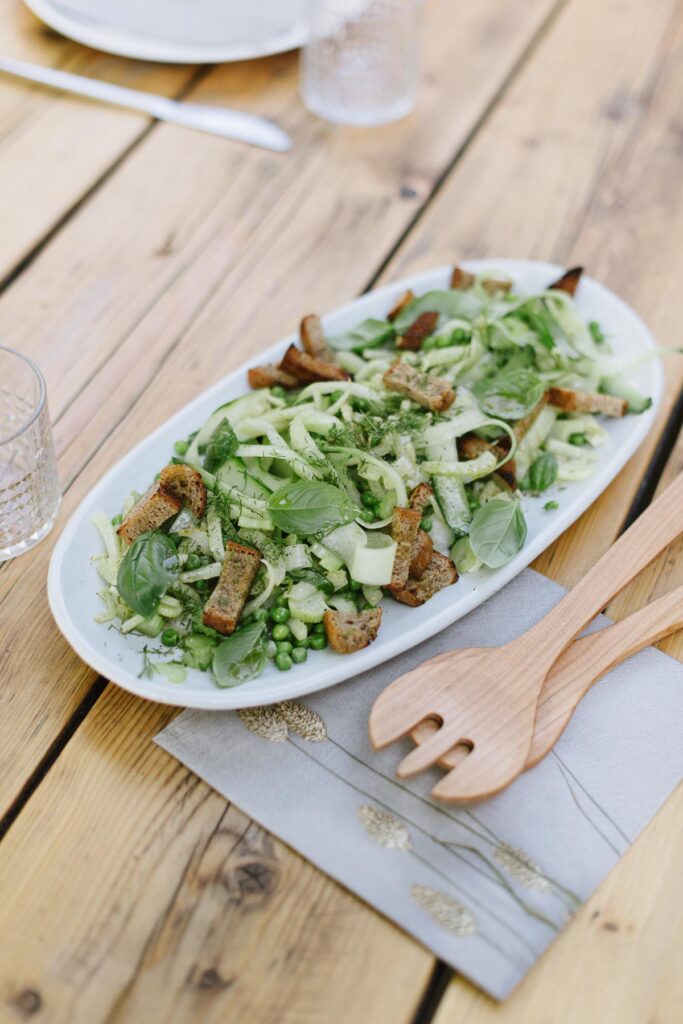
x=485 y=698
x=581 y=665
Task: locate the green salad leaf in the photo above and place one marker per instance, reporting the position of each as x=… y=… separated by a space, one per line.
x=449 y=304
x=222 y=444
x=145 y=573
x=542 y=473
x=497 y=532
x=307 y=507
x=367 y=334
x=241 y=656
x=319 y=581
x=509 y=395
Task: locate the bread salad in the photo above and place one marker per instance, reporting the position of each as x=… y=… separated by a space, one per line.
x=376 y=463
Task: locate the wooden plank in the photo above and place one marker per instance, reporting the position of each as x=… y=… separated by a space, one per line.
x=54 y=148
x=187 y=266
x=619 y=959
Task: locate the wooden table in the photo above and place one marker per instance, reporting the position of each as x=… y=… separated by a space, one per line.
x=138 y=261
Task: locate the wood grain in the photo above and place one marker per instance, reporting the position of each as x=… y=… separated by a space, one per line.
x=191 y=257
x=55 y=148
x=619 y=959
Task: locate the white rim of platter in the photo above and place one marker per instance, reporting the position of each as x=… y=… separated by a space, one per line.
x=73 y=581
x=125 y=28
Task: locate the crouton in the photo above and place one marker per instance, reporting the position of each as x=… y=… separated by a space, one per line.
x=149 y=512
x=569 y=400
x=420 y=497
x=492 y=286
x=400 y=305
x=413 y=337
x=313 y=338
x=224 y=608
x=186 y=484
x=440 y=573
x=431 y=392
x=423 y=550
x=308 y=369
x=569 y=281
x=405 y=523
x=270 y=376
x=461 y=279
x=522 y=427
x=349 y=632
x=470 y=446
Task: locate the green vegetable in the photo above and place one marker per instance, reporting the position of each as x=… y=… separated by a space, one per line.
x=596 y=332
x=319 y=642
x=279 y=614
x=306 y=506
x=367 y=334
x=241 y=656
x=181 y=447
x=170 y=637
x=285 y=647
x=198 y=651
x=577 y=439
x=173 y=670
x=450 y=304
x=498 y=532
x=283 y=662
x=510 y=395
x=299 y=655
x=550 y=506
x=426 y=523
x=151 y=626
x=542 y=474
x=222 y=444
x=280 y=632
x=145 y=573
x=319 y=581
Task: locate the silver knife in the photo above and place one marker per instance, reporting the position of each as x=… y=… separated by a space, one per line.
x=229 y=124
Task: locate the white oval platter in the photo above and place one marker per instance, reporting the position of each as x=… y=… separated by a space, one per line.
x=73 y=581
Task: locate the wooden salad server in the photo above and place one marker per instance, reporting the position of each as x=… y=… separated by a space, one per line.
x=581 y=665
x=485 y=697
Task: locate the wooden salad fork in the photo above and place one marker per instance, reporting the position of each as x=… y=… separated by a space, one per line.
x=485 y=698
x=582 y=664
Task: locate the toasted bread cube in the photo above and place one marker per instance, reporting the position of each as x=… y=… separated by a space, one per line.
x=522 y=427
x=440 y=573
x=149 y=512
x=423 y=549
x=405 y=522
x=569 y=281
x=347 y=632
x=313 y=338
x=420 y=497
x=470 y=446
x=431 y=392
x=461 y=279
x=225 y=606
x=270 y=376
x=570 y=400
x=413 y=337
x=186 y=484
x=307 y=369
x=400 y=305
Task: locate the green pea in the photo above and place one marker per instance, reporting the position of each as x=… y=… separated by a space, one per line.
x=426 y=524
x=280 y=632
x=202 y=584
x=283 y=662
x=550 y=506
x=170 y=637
x=577 y=439
x=428 y=344
x=318 y=642
x=335 y=396
x=361 y=404
x=443 y=341
x=318 y=628
x=459 y=335
x=260 y=615
x=299 y=655
x=279 y=614
x=281 y=602
x=367 y=515
x=284 y=647
x=180 y=447
x=278 y=391
x=117 y=520
x=355 y=586
x=192 y=561
x=369 y=499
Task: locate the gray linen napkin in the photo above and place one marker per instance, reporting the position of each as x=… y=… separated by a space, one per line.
x=485 y=887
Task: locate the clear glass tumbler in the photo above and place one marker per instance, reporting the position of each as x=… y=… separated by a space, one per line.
x=29 y=488
x=360 y=65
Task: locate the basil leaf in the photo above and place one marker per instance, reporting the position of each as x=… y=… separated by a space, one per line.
x=241 y=656
x=319 y=581
x=509 y=395
x=367 y=334
x=497 y=532
x=222 y=444
x=306 y=507
x=450 y=304
x=542 y=473
x=145 y=572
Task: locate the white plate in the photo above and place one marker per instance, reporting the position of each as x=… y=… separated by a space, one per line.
x=73 y=582
x=179 y=31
